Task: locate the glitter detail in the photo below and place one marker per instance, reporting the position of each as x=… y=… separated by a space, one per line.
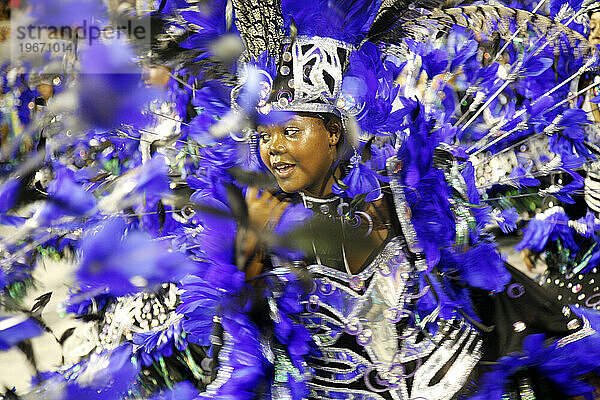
x=357 y=284
x=576 y=288
x=519 y=326
x=353 y=326
x=364 y=337
x=526 y=391
x=265 y=109
x=573 y=324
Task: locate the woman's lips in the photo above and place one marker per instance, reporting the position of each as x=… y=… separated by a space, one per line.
x=284 y=170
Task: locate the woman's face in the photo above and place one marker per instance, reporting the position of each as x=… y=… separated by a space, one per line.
x=300 y=153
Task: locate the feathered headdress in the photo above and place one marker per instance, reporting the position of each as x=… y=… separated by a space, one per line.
x=326 y=56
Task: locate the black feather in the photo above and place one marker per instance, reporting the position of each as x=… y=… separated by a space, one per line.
x=393 y=21
x=254 y=179
x=40 y=303
x=66 y=334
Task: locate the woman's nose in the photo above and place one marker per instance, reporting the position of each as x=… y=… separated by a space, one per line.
x=277 y=144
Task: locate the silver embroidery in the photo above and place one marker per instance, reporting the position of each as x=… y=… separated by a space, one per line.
x=372 y=318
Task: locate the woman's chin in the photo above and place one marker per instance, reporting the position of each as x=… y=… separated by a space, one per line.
x=289 y=187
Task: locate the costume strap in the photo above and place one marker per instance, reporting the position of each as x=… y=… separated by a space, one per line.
x=393 y=166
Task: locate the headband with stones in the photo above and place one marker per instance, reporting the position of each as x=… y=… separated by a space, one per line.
x=309 y=79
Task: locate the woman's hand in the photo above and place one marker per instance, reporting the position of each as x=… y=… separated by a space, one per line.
x=264 y=212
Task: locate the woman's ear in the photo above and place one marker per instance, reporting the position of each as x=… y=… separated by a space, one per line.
x=335 y=131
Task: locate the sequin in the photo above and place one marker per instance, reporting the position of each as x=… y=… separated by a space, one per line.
x=576 y=288
x=324 y=209
x=515 y=290
x=283 y=102
x=325 y=287
x=285 y=70
x=287 y=56
x=265 y=109
x=581 y=296
x=364 y=337
x=356 y=283
x=353 y=326
x=573 y=324
x=519 y=326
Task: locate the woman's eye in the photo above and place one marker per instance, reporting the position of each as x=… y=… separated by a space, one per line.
x=264 y=137
x=291 y=131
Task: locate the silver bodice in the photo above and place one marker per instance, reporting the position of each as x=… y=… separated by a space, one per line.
x=372 y=343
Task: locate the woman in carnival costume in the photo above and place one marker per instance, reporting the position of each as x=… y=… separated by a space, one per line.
x=364 y=272
x=407 y=297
